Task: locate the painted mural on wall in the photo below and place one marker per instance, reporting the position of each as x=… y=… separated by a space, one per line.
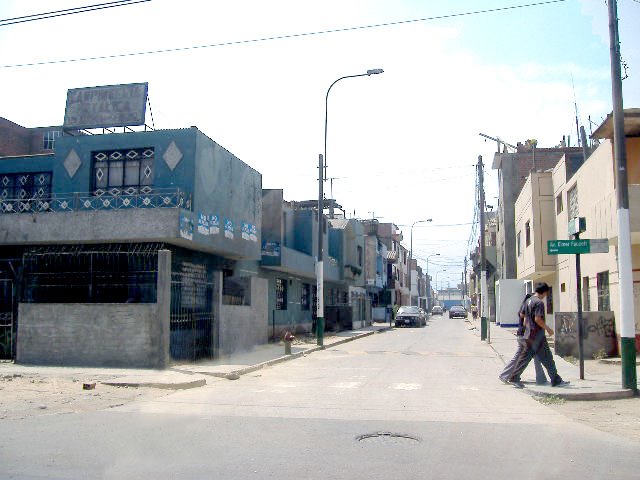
x=186 y=227
x=249 y=232
x=599 y=334
x=214 y=225
x=228 y=228
x=270 y=249
x=203 y=223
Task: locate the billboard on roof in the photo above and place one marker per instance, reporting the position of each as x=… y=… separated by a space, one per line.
x=106 y=106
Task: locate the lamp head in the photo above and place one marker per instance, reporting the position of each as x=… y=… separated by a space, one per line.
x=375 y=71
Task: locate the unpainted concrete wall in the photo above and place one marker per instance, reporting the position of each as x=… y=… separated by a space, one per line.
x=101 y=335
x=243 y=327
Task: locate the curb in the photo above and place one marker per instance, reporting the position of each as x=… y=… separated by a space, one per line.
x=614 y=361
x=235 y=374
x=165 y=386
x=583 y=396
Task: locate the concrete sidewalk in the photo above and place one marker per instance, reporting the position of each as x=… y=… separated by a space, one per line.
x=593 y=387
x=185 y=376
x=233 y=366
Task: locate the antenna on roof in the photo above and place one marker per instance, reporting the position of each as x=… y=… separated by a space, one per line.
x=575 y=105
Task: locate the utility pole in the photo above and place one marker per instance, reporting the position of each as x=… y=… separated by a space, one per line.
x=319 y=266
x=485 y=334
x=464 y=280
x=625 y=274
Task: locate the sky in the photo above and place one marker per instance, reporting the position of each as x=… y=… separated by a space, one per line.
x=402 y=146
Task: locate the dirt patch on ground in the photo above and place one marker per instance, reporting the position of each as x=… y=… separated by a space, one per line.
x=23 y=396
x=619 y=417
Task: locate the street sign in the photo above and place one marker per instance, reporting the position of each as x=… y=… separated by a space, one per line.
x=599 y=245
x=581 y=246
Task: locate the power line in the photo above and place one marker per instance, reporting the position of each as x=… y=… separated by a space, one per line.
x=67 y=11
x=284 y=36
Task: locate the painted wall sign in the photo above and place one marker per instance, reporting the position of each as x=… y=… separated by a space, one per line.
x=228 y=228
x=106 y=106
x=203 y=224
x=214 y=224
x=244 y=229
x=270 y=249
x=249 y=232
x=186 y=227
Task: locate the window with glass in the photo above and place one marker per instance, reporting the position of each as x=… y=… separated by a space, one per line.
x=281 y=294
x=572 y=202
x=519 y=244
x=123 y=171
x=586 y=296
x=25 y=186
x=305 y=297
x=527 y=233
x=559 y=205
x=604 y=303
x=49 y=139
x=359 y=249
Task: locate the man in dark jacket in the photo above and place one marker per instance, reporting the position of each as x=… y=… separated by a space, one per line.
x=536 y=340
x=541 y=378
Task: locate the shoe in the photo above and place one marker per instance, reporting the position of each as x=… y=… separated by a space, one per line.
x=516 y=383
x=560 y=383
x=503 y=380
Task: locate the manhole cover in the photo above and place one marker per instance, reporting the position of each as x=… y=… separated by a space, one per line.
x=388 y=438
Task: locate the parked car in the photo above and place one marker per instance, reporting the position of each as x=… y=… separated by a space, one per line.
x=457 y=311
x=410 y=317
x=436 y=310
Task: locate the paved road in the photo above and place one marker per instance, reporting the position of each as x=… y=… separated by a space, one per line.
x=301 y=420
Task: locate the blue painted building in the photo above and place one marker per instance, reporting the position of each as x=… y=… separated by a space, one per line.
x=100 y=207
x=289 y=250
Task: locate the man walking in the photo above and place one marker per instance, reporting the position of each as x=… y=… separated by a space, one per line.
x=541 y=378
x=536 y=341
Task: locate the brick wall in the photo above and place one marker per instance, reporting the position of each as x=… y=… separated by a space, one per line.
x=14 y=139
x=18 y=140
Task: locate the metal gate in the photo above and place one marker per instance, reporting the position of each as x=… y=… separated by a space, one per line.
x=7 y=332
x=192 y=316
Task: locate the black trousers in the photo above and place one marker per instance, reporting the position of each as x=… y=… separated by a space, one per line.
x=538 y=347
x=510 y=367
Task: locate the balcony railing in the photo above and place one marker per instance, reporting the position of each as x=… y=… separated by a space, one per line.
x=114 y=199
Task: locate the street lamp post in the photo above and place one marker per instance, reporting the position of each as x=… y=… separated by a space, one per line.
x=411 y=258
x=321 y=176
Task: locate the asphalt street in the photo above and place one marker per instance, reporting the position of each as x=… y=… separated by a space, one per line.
x=429 y=397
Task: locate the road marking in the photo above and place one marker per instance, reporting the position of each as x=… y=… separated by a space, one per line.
x=346 y=385
x=464 y=387
x=406 y=386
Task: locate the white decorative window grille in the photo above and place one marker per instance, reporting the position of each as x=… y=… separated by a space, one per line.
x=25 y=186
x=49 y=139
x=125 y=172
